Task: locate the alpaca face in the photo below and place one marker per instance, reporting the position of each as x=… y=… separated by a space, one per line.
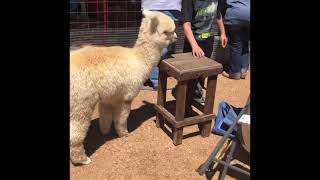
x=159 y=28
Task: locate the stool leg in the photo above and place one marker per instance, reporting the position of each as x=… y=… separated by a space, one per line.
x=180 y=110
x=162 y=94
x=205 y=127
x=177 y=136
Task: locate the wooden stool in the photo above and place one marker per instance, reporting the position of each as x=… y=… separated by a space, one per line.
x=186 y=69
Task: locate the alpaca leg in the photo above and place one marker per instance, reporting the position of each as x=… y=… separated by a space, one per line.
x=77 y=134
x=121 y=113
x=79 y=125
x=105 y=120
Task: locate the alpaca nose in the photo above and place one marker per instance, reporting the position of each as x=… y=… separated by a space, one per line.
x=175 y=37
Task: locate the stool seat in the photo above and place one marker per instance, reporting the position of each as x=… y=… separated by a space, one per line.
x=184 y=66
x=187 y=69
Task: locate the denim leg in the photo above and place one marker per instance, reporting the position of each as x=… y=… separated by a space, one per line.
x=154 y=76
x=245 y=37
x=174 y=14
x=239 y=48
x=244 y=57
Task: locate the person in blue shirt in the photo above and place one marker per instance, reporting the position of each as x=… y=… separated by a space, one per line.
x=234 y=15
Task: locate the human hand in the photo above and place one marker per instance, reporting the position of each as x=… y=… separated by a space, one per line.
x=197 y=51
x=224 y=40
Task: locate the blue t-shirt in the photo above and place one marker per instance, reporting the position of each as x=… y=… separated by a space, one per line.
x=234 y=11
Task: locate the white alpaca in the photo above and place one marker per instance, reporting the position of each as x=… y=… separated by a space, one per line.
x=113 y=76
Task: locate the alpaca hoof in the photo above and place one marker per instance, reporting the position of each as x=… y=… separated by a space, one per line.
x=123 y=134
x=88 y=161
x=82 y=162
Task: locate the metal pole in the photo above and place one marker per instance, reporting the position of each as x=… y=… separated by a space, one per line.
x=204 y=167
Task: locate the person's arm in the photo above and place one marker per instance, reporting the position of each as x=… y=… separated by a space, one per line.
x=223 y=37
x=196 y=49
x=186 y=18
x=220 y=14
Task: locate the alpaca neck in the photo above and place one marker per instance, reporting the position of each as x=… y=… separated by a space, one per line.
x=149 y=52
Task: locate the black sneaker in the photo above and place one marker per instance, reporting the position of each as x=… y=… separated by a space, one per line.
x=155 y=88
x=243 y=75
x=148 y=83
x=199 y=100
x=230 y=75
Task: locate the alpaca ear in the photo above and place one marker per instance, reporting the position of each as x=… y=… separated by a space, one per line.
x=152 y=21
x=153 y=25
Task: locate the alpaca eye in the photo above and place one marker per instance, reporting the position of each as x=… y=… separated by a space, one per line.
x=167 y=33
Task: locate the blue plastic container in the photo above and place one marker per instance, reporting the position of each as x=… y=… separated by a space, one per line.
x=227 y=114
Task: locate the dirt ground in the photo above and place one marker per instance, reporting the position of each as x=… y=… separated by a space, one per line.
x=148 y=152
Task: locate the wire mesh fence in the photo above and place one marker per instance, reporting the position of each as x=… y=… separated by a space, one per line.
x=111 y=22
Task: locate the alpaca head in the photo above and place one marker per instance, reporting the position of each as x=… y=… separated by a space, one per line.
x=158 y=28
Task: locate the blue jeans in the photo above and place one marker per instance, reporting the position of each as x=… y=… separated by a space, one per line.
x=166 y=52
x=238 y=37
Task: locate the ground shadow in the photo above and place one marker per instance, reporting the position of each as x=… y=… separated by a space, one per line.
x=140 y=115
x=171 y=107
x=95 y=139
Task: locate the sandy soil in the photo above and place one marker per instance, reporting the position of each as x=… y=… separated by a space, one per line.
x=148 y=152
